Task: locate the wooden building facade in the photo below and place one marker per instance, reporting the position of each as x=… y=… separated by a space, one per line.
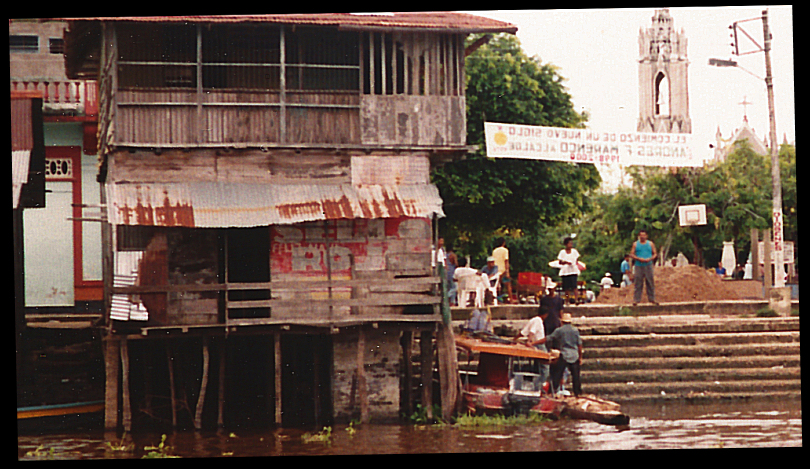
x=268 y=203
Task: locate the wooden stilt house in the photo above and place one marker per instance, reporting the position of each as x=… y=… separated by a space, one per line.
x=265 y=181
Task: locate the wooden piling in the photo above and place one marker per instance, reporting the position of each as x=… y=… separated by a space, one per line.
x=203 y=386
x=407 y=358
x=426 y=352
x=277 y=380
x=448 y=371
x=126 y=416
x=221 y=389
x=172 y=394
x=362 y=392
x=111 y=370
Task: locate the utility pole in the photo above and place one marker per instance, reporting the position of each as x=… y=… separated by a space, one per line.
x=778 y=294
x=778 y=232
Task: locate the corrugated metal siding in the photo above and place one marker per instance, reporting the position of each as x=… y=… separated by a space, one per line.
x=19 y=174
x=219 y=205
x=22 y=137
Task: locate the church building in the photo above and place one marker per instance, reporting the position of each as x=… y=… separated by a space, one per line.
x=663 y=78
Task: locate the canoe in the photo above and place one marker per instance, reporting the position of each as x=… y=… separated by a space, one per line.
x=54 y=417
x=589 y=407
x=56 y=410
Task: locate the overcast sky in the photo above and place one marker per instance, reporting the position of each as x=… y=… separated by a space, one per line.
x=597 y=52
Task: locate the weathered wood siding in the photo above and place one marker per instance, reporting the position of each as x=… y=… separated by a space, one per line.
x=174 y=118
x=377 y=250
x=255 y=166
x=413 y=120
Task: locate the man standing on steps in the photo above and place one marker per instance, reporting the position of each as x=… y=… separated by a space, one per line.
x=643 y=253
x=566 y=338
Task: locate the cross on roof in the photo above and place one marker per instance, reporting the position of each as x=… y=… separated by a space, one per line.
x=745 y=104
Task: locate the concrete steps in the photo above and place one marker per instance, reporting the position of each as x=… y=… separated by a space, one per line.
x=684 y=357
x=691 y=358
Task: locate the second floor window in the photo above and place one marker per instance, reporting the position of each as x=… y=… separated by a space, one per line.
x=23 y=44
x=238 y=57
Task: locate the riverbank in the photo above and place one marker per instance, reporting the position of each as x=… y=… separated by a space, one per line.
x=717 y=351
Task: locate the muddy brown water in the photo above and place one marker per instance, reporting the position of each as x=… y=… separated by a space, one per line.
x=652 y=427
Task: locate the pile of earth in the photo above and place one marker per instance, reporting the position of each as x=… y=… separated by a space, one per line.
x=676 y=284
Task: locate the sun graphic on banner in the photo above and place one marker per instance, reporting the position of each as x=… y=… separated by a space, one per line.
x=500 y=138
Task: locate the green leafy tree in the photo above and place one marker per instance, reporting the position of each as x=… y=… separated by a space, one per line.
x=483 y=197
x=737 y=194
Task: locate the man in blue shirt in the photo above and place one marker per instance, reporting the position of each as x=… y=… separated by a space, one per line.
x=627 y=275
x=644 y=253
x=490 y=269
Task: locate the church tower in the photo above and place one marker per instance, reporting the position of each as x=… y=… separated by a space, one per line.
x=662 y=73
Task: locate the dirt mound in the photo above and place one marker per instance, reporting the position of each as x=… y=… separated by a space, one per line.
x=676 y=284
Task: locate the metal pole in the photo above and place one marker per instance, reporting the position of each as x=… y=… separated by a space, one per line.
x=778 y=234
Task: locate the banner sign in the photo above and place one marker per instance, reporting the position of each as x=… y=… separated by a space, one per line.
x=589 y=146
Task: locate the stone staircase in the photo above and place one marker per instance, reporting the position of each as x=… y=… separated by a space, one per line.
x=655 y=359
x=688 y=358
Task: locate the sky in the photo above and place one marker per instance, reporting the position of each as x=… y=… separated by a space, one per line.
x=597 y=52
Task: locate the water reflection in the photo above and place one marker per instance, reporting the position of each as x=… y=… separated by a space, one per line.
x=733 y=425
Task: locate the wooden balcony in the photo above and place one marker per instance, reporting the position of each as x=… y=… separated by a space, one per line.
x=76 y=97
x=174 y=118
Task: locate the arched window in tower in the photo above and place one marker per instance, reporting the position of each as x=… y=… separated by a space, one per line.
x=661 y=95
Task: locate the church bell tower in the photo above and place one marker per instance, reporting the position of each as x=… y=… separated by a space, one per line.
x=663 y=78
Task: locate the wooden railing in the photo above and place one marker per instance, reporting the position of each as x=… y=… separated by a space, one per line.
x=295 y=301
x=78 y=95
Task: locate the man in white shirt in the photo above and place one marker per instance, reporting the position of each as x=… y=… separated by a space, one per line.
x=606 y=281
x=535 y=334
x=501 y=255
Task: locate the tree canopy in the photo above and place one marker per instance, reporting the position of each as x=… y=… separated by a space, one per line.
x=736 y=192
x=484 y=197
x=535 y=204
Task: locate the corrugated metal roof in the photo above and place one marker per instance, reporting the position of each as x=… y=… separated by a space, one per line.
x=443 y=20
x=226 y=204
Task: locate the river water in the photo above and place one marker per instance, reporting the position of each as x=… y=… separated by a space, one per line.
x=652 y=427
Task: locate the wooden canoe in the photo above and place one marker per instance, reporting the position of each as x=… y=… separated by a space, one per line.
x=56 y=410
x=592 y=408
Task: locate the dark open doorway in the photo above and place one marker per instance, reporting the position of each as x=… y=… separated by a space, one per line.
x=247 y=252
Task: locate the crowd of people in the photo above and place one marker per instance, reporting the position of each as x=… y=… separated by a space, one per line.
x=551 y=326
x=637 y=270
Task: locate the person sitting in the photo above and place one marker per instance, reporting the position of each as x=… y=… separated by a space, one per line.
x=720 y=270
x=491 y=270
x=461 y=272
x=479 y=321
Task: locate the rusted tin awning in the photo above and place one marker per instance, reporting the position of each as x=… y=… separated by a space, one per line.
x=227 y=204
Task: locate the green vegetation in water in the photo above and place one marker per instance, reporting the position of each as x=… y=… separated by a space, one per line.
x=420 y=416
x=324 y=436
x=350 y=429
x=483 y=421
x=41 y=452
x=119 y=446
x=158 y=452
